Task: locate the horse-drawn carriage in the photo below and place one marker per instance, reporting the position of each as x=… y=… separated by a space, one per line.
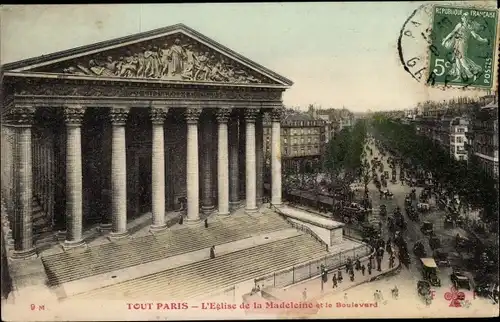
x=434 y=241
x=353 y=213
x=441 y=257
x=386 y=194
x=412 y=213
x=423 y=207
x=430 y=271
x=407 y=201
x=427 y=228
x=424 y=291
x=419 y=249
x=383 y=210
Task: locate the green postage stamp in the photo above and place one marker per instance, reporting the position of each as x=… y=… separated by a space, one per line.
x=463 y=47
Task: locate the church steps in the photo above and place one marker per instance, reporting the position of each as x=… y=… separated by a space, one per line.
x=67 y=267
x=182 y=242
x=229 y=269
x=182 y=271
x=232 y=276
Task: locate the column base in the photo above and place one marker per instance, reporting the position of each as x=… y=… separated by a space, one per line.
x=277 y=205
x=113 y=236
x=24 y=254
x=234 y=205
x=157 y=228
x=70 y=244
x=207 y=209
x=105 y=227
x=60 y=235
x=192 y=221
x=251 y=210
x=223 y=214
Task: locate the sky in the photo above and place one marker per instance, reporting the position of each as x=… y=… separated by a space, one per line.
x=337 y=54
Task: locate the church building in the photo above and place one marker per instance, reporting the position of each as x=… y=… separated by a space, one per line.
x=156 y=122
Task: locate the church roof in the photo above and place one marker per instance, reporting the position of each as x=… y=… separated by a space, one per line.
x=80 y=60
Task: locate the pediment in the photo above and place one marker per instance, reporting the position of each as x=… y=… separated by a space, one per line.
x=175 y=53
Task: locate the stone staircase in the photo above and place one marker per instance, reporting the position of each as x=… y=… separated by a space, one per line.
x=70 y=266
x=198 y=279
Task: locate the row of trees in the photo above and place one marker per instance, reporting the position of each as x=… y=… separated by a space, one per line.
x=467 y=180
x=343 y=159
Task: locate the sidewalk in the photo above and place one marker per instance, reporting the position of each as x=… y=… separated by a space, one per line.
x=313 y=285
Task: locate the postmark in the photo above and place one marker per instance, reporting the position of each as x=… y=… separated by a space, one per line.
x=451 y=46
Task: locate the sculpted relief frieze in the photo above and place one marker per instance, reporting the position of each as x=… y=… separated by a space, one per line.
x=174 y=57
x=135 y=92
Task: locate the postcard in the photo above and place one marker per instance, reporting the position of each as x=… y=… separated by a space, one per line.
x=249 y=161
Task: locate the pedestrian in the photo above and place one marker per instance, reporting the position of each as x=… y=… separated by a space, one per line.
x=348 y=265
x=345 y=297
x=375 y=296
x=206 y=222
x=379 y=264
x=212 y=252
x=358 y=264
x=395 y=292
x=363 y=269
x=339 y=277
x=304 y=294
x=334 y=281
x=371 y=258
x=369 y=268
x=351 y=276
x=391 y=262
x=181 y=219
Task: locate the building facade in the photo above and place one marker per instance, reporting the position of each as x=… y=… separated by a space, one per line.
x=302 y=142
x=458 y=138
x=484 y=138
x=104 y=133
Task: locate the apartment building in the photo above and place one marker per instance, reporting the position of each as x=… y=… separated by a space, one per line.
x=302 y=141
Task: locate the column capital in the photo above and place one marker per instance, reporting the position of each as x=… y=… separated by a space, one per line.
x=250 y=114
x=22 y=115
x=192 y=114
x=276 y=114
x=119 y=114
x=158 y=114
x=73 y=114
x=223 y=114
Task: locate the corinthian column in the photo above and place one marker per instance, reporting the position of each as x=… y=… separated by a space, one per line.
x=22 y=118
x=276 y=157
x=207 y=204
x=250 y=166
x=118 y=117
x=74 y=188
x=192 y=180
x=158 y=115
x=234 y=172
x=259 y=155
x=223 y=161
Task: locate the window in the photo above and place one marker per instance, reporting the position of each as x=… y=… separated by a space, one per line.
x=460 y=139
x=461 y=157
x=285 y=140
